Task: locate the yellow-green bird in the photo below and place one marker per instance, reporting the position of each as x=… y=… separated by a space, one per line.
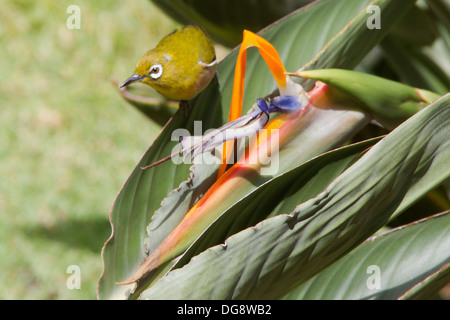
x=180 y=66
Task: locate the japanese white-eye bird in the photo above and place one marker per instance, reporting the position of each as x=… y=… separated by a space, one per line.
x=181 y=65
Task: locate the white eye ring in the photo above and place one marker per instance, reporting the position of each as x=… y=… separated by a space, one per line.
x=156 y=71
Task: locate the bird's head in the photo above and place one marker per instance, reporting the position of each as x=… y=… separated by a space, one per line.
x=152 y=69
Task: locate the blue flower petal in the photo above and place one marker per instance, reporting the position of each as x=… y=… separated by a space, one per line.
x=261 y=103
x=284 y=104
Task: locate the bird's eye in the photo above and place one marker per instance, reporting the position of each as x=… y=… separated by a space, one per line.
x=155 y=71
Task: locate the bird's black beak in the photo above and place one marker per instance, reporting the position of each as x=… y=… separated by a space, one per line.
x=134 y=78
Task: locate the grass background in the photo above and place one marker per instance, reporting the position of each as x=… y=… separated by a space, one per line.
x=68 y=140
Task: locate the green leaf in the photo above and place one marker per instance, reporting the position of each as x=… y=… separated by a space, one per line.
x=271 y=258
x=360 y=39
x=414 y=67
x=430 y=286
x=417 y=27
x=178 y=202
x=225 y=20
x=321 y=34
x=279 y=195
x=441 y=8
x=387 y=266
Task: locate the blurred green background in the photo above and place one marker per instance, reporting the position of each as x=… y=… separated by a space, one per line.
x=68 y=140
